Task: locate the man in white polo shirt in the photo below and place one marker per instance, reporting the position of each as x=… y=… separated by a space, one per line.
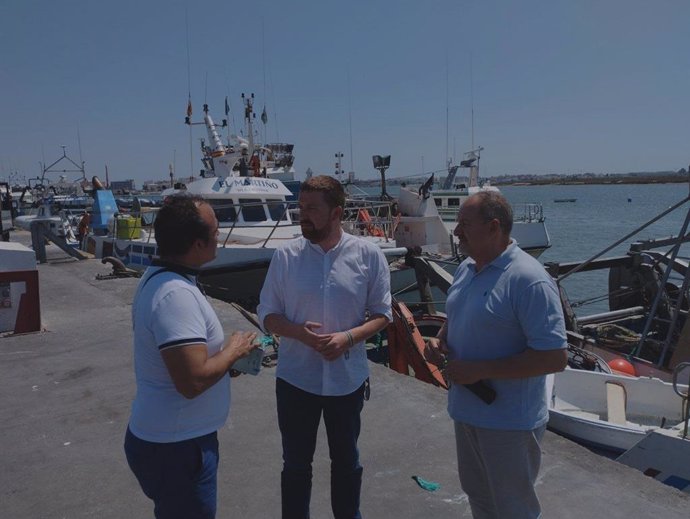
x=181 y=363
x=505 y=327
x=324 y=294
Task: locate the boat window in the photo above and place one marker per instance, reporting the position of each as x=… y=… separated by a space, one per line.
x=253 y=210
x=277 y=210
x=454 y=202
x=439 y=202
x=225 y=211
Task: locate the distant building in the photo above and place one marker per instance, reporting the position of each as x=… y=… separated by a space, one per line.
x=122 y=186
x=156 y=186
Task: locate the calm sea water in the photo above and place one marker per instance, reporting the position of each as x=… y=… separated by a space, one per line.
x=601 y=215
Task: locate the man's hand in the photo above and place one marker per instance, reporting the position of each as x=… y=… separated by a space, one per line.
x=311 y=339
x=463 y=372
x=337 y=344
x=435 y=351
x=241 y=343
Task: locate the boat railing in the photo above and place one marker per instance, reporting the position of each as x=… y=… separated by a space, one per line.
x=361 y=217
x=286 y=211
x=528 y=212
x=370 y=218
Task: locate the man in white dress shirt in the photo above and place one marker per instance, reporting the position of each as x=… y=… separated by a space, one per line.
x=325 y=293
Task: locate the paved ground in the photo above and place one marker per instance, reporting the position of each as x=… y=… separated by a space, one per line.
x=65 y=401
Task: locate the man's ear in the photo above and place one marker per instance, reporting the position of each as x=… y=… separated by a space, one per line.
x=338 y=212
x=495 y=226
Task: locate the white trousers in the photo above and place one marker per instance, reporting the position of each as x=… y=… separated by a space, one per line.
x=498 y=470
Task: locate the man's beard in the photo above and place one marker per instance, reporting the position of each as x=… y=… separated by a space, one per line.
x=311 y=233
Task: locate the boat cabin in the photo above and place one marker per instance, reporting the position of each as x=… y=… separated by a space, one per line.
x=244 y=201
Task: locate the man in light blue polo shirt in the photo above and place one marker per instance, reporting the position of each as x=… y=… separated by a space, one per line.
x=506 y=328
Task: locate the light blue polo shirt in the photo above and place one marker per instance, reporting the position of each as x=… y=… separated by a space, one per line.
x=510 y=305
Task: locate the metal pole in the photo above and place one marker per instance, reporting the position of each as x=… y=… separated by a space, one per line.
x=660 y=292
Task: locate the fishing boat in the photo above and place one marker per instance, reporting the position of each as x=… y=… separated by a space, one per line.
x=641 y=420
x=256 y=215
x=6 y=211
x=613 y=411
x=244 y=156
x=529 y=224
x=648 y=302
x=57 y=201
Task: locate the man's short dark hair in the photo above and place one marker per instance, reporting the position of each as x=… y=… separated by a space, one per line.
x=493 y=205
x=179 y=224
x=331 y=188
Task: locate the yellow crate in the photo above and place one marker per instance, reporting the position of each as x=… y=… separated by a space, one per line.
x=128 y=228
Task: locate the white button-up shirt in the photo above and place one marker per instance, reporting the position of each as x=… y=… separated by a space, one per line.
x=338 y=289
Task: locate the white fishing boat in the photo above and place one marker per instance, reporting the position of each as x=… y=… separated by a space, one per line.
x=529 y=225
x=6 y=211
x=613 y=411
x=244 y=156
x=60 y=201
x=619 y=413
x=255 y=216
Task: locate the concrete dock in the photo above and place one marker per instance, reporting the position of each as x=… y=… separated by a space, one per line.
x=66 y=394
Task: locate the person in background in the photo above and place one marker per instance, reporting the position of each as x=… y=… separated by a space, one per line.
x=181 y=363
x=505 y=327
x=83 y=227
x=325 y=293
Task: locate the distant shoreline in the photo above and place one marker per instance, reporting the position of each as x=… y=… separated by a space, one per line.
x=594 y=181
x=671 y=178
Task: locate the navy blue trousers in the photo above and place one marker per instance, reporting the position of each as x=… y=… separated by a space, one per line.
x=299 y=415
x=179 y=477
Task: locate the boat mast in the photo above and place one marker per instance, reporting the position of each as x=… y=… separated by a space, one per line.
x=189 y=96
x=349 y=113
x=474 y=153
x=248 y=115
x=448 y=161
x=264 y=119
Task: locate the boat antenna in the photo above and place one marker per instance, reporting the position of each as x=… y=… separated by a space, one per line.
x=42 y=163
x=228 y=107
x=273 y=97
x=447 y=103
x=189 y=94
x=81 y=160
x=264 y=118
x=472 y=98
x=349 y=111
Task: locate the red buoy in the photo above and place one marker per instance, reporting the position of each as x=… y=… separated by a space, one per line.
x=622 y=367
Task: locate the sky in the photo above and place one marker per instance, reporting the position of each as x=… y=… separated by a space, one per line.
x=556 y=86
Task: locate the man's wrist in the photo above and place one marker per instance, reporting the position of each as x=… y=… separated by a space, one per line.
x=350 y=339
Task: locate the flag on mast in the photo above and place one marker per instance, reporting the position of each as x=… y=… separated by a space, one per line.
x=264 y=116
x=189 y=107
x=227 y=106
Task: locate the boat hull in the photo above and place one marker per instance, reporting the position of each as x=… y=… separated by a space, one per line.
x=582 y=409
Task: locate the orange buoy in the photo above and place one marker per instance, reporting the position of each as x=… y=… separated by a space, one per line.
x=622 y=367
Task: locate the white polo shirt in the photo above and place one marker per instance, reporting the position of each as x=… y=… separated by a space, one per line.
x=169 y=311
x=334 y=288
